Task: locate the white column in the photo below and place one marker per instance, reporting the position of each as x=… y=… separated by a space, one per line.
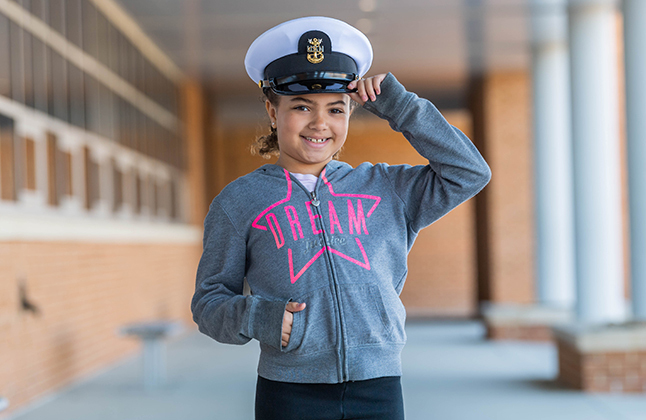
x=635 y=55
x=597 y=186
x=554 y=211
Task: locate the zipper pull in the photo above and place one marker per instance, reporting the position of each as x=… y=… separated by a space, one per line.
x=315 y=201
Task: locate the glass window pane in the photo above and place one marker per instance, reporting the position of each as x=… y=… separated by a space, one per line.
x=77 y=97
x=113 y=46
x=90 y=31
x=73 y=22
x=41 y=70
x=52 y=147
x=57 y=15
x=132 y=63
x=152 y=195
x=124 y=57
x=63 y=174
x=29 y=69
x=103 y=39
x=60 y=88
x=117 y=176
x=92 y=183
x=125 y=133
x=173 y=199
x=92 y=108
x=49 y=85
x=26 y=4
x=140 y=81
x=30 y=164
x=7 y=162
x=5 y=58
x=139 y=199
x=40 y=74
x=17 y=64
x=105 y=111
x=37 y=9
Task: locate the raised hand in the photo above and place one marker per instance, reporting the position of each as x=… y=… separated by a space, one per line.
x=367 y=89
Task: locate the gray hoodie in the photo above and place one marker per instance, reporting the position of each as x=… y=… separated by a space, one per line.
x=341 y=249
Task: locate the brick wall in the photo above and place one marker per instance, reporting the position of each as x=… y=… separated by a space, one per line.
x=84 y=292
x=602 y=371
x=506 y=235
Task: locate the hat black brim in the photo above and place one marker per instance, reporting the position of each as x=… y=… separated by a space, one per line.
x=312 y=82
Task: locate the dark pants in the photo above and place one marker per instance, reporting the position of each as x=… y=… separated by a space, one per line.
x=374 y=399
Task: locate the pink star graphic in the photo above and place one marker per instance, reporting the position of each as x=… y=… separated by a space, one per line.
x=365 y=264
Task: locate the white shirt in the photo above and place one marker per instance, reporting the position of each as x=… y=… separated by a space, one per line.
x=308 y=180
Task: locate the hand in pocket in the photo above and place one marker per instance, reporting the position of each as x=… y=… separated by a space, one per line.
x=288 y=320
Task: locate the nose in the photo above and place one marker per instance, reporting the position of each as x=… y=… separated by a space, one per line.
x=318 y=121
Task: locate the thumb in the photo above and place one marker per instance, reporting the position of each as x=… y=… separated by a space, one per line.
x=295 y=307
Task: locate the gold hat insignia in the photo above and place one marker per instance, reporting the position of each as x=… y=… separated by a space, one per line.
x=315 y=51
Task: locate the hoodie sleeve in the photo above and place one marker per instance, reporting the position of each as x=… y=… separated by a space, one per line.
x=455 y=172
x=219 y=308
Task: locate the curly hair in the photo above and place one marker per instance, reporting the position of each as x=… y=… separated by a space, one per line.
x=266 y=145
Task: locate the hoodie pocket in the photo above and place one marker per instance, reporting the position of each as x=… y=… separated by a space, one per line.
x=314 y=328
x=367 y=319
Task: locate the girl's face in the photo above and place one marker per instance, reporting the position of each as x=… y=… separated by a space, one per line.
x=311 y=128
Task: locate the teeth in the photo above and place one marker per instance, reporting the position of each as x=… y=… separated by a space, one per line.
x=315 y=140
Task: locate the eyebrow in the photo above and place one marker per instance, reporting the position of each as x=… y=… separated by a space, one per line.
x=300 y=98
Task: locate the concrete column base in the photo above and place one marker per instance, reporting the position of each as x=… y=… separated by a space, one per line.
x=523 y=322
x=607 y=358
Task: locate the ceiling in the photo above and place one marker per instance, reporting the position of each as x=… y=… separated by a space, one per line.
x=431 y=45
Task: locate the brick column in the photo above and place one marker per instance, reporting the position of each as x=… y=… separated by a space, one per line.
x=194 y=134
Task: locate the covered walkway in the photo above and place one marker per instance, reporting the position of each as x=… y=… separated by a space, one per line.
x=450 y=373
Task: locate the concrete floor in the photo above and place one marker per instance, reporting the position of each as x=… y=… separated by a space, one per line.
x=450 y=373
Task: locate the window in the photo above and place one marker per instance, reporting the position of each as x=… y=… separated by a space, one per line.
x=149 y=194
x=28 y=68
x=90 y=32
x=41 y=75
x=30 y=164
x=64 y=174
x=105 y=112
x=124 y=57
x=60 y=89
x=37 y=8
x=113 y=46
x=92 y=182
x=73 y=19
x=172 y=187
x=103 y=39
x=26 y=4
x=52 y=147
x=17 y=69
x=5 y=58
x=7 y=163
x=92 y=104
x=57 y=15
x=139 y=189
x=77 y=96
x=117 y=177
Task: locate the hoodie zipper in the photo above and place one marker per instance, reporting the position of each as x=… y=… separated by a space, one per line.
x=316 y=203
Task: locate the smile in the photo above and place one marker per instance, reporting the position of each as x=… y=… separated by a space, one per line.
x=313 y=140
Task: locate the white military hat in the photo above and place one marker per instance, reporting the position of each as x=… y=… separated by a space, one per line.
x=309 y=55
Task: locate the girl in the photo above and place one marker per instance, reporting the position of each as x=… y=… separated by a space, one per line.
x=322 y=245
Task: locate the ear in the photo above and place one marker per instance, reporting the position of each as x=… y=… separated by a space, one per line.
x=271 y=110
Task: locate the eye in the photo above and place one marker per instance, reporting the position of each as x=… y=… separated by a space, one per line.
x=301 y=108
x=337 y=111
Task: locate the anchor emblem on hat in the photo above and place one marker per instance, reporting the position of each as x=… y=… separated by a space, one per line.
x=315 y=51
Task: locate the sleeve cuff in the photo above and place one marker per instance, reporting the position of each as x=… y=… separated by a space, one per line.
x=266 y=322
